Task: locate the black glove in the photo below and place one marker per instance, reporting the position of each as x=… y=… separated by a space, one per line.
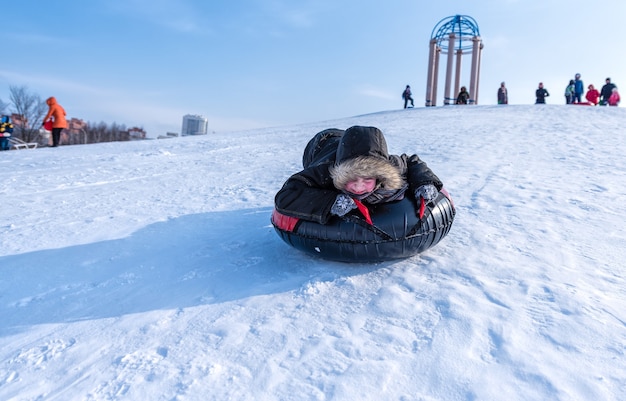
x=343 y=204
x=428 y=192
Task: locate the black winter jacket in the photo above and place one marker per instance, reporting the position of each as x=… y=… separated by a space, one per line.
x=607 y=91
x=310 y=193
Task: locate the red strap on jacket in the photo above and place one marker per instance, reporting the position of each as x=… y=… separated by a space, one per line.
x=422 y=207
x=364 y=211
x=283 y=222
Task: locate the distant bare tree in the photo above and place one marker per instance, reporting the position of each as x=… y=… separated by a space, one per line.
x=101 y=132
x=96 y=131
x=31 y=110
x=118 y=132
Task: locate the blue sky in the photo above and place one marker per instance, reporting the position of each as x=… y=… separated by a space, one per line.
x=258 y=63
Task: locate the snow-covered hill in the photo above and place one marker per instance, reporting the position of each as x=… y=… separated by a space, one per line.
x=150 y=271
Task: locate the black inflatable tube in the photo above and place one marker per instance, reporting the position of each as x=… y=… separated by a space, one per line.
x=397 y=232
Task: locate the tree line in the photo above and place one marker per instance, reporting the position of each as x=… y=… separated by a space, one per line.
x=30 y=109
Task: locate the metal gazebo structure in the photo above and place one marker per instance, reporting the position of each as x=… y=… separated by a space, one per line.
x=454 y=36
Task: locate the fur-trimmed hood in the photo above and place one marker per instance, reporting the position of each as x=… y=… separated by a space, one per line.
x=362 y=152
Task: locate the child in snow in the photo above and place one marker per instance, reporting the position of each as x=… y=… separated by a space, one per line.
x=569 y=92
x=347 y=170
x=592 y=96
x=463 y=96
x=6 y=128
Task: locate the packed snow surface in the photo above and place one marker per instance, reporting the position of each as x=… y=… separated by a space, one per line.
x=150 y=270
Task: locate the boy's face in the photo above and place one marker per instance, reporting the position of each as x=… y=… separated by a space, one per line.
x=360 y=185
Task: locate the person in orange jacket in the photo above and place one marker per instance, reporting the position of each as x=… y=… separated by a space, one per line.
x=592 y=96
x=57 y=113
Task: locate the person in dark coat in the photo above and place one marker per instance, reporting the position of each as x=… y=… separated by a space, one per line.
x=463 y=96
x=344 y=171
x=406 y=95
x=503 y=94
x=606 y=91
x=541 y=94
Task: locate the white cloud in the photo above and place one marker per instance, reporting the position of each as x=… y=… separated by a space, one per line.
x=177 y=15
x=376 y=93
x=35 y=39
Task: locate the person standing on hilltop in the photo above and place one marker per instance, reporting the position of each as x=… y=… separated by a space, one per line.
x=406 y=95
x=503 y=95
x=57 y=113
x=570 y=90
x=541 y=94
x=579 y=89
x=606 y=92
x=592 y=96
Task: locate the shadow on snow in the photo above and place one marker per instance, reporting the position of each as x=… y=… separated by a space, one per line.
x=184 y=262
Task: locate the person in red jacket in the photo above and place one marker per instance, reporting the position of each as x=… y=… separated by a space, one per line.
x=593 y=95
x=57 y=113
x=614 y=99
